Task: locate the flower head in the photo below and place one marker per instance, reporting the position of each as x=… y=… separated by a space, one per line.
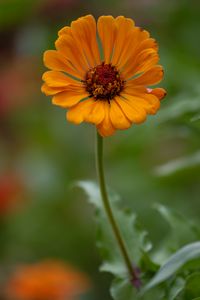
x=46 y=280
x=111 y=92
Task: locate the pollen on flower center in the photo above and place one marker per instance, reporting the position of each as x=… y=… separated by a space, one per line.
x=103 y=82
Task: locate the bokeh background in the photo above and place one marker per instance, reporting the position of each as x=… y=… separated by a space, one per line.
x=43 y=217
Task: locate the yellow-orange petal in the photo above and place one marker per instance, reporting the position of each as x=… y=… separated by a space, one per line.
x=124 y=37
x=66 y=45
x=145 y=60
x=129 y=43
x=78 y=113
x=117 y=116
x=160 y=93
x=150 y=103
x=151 y=77
x=69 y=97
x=55 y=61
x=49 y=91
x=84 y=32
x=133 y=111
x=132 y=46
x=64 y=30
x=97 y=113
x=58 y=79
x=107 y=31
x=146 y=44
x=106 y=128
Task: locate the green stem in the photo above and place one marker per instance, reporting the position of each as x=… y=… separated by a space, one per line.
x=107 y=206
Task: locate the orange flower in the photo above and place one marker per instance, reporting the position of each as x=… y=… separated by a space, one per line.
x=111 y=92
x=11 y=192
x=49 y=280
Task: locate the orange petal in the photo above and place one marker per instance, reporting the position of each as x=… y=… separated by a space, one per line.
x=84 y=32
x=66 y=45
x=147 y=43
x=151 y=77
x=148 y=102
x=97 y=113
x=132 y=46
x=133 y=111
x=64 y=30
x=158 y=92
x=78 y=113
x=107 y=30
x=48 y=91
x=141 y=63
x=105 y=128
x=55 y=61
x=125 y=26
x=58 y=79
x=117 y=116
x=69 y=97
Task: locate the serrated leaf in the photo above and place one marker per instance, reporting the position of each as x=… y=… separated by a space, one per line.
x=174 y=264
x=178 y=165
x=135 y=240
x=92 y=192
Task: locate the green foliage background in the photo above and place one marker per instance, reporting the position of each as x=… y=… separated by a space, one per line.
x=152 y=166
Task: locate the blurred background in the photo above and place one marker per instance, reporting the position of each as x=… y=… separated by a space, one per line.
x=46 y=225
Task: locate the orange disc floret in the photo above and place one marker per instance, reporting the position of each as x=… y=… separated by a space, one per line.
x=112 y=92
x=48 y=280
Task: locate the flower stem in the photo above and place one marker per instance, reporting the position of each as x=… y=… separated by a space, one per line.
x=107 y=206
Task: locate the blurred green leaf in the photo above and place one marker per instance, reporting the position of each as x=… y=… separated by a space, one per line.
x=174 y=264
x=195 y=118
x=121 y=289
x=182 y=231
x=192 y=286
x=183 y=104
x=178 y=165
x=176 y=288
x=14 y=11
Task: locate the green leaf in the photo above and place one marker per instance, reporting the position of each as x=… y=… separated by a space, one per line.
x=134 y=237
x=183 y=104
x=178 y=165
x=122 y=290
x=195 y=118
x=192 y=286
x=174 y=264
x=182 y=231
x=176 y=288
x=92 y=192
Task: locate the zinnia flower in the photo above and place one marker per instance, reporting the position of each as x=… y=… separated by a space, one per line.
x=11 y=192
x=111 y=91
x=47 y=280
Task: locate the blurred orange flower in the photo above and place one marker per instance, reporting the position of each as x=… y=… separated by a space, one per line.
x=11 y=192
x=48 y=280
x=111 y=92
x=21 y=74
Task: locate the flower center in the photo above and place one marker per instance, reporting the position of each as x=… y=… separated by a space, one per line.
x=103 y=82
